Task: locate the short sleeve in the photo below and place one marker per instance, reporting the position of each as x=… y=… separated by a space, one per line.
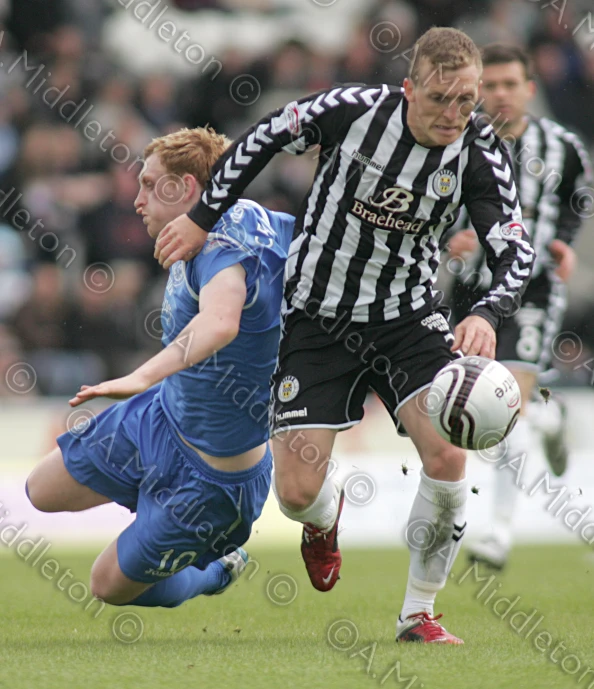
x=217 y=255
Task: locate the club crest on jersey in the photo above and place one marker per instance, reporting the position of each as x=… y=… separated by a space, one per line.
x=292 y=115
x=512 y=230
x=177 y=273
x=444 y=182
x=288 y=389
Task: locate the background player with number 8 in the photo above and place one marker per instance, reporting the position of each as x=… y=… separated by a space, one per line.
x=550 y=165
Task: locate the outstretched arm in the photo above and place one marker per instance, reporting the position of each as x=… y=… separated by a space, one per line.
x=217 y=324
x=318 y=119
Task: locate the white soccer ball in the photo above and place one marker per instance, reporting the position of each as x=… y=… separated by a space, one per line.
x=474 y=402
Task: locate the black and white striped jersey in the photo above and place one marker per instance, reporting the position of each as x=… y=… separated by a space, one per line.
x=554 y=179
x=366 y=241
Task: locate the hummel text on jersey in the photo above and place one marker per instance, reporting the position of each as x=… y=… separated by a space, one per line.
x=367 y=161
x=296 y=413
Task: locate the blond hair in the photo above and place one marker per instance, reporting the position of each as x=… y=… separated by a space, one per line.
x=192 y=151
x=444 y=48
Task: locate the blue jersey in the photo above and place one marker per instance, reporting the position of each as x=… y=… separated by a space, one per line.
x=220 y=405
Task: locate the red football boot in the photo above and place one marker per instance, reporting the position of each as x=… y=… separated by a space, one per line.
x=321 y=553
x=423 y=628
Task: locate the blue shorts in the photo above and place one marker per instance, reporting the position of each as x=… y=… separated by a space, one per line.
x=187 y=512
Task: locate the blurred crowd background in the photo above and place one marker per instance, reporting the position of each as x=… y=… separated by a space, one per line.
x=79 y=289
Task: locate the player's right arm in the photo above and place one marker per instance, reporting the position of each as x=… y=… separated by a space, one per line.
x=217 y=324
x=318 y=119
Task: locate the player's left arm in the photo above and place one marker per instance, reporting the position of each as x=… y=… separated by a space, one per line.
x=574 y=191
x=491 y=198
x=322 y=118
x=221 y=303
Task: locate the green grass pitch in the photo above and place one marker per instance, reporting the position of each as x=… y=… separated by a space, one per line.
x=343 y=639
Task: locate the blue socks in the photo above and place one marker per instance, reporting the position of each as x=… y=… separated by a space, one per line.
x=189 y=583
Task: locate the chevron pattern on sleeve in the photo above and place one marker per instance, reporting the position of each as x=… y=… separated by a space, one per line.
x=292 y=129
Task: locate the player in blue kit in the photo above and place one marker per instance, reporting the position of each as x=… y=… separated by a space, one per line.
x=187 y=451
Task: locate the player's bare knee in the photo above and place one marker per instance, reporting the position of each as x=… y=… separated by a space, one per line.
x=102 y=587
x=295 y=496
x=447 y=463
x=37 y=495
x=104 y=593
x=99 y=589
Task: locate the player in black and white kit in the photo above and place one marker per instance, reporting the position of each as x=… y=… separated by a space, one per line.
x=360 y=310
x=552 y=173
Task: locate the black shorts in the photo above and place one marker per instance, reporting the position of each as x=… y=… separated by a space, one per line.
x=527 y=338
x=326 y=367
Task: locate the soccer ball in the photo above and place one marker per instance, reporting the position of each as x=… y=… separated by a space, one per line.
x=474 y=402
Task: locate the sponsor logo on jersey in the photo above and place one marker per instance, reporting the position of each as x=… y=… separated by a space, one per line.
x=288 y=389
x=295 y=414
x=386 y=210
x=444 y=182
x=392 y=199
x=386 y=222
x=512 y=230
